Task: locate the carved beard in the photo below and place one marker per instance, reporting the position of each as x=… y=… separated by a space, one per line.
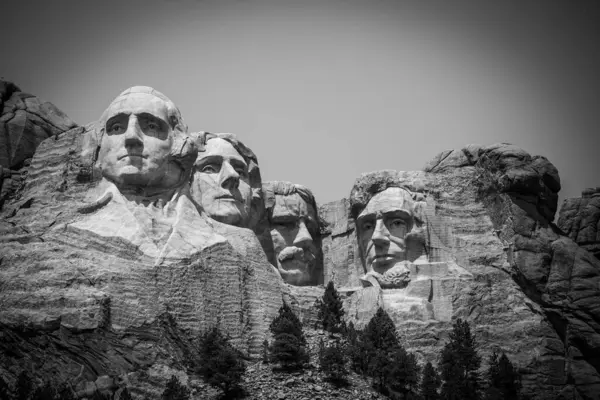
x=397 y=277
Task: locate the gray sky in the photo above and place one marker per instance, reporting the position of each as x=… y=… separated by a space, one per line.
x=324 y=90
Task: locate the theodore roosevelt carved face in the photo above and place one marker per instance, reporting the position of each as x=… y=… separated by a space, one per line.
x=295 y=233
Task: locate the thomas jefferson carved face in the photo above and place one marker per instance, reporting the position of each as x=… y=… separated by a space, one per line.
x=382 y=229
x=294 y=224
x=137 y=141
x=221 y=183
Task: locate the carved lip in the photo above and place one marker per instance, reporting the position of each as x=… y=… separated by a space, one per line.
x=131 y=155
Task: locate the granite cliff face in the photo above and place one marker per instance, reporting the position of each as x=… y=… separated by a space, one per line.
x=579 y=218
x=25 y=121
x=86 y=299
x=502 y=265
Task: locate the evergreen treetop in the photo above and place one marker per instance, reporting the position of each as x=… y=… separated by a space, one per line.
x=380 y=332
x=504 y=382
x=221 y=364
x=174 y=390
x=430 y=383
x=331 y=311
x=459 y=364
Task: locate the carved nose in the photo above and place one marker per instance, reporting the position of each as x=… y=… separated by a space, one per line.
x=303 y=237
x=381 y=236
x=230 y=179
x=133 y=134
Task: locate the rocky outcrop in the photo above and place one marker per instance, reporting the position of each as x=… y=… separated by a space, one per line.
x=528 y=289
x=25 y=121
x=579 y=219
x=77 y=306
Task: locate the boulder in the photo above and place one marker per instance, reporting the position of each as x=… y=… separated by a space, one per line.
x=25 y=121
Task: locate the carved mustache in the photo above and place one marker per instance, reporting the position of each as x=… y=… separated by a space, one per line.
x=298 y=253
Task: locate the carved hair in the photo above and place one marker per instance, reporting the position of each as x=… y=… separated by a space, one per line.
x=369 y=184
x=283 y=188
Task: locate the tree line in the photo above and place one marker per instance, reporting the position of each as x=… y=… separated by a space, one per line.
x=375 y=353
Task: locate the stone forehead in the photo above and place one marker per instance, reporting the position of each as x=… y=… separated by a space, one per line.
x=392 y=198
x=171 y=107
x=294 y=204
x=369 y=184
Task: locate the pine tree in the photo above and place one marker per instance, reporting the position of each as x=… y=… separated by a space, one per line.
x=357 y=350
x=381 y=331
x=331 y=311
x=174 y=390
x=333 y=362
x=504 y=382
x=380 y=341
x=222 y=364
x=289 y=344
x=459 y=364
x=403 y=373
x=430 y=383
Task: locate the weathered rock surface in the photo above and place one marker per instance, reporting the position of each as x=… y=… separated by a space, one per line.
x=533 y=293
x=25 y=121
x=76 y=306
x=579 y=219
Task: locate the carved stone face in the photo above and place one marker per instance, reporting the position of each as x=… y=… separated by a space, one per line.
x=293 y=226
x=137 y=141
x=221 y=183
x=382 y=227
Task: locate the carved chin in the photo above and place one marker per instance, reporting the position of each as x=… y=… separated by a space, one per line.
x=228 y=214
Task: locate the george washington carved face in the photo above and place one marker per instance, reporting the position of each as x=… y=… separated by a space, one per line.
x=138 y=140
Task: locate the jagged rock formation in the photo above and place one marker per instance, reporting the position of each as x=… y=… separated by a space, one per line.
x=25 y=121
x=533 y=292
x=579 y=218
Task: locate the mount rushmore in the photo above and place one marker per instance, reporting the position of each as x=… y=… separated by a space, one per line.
x=123 y=239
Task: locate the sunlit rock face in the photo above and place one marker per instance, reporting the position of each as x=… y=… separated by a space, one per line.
x=25 y=121
x=227 y=184
x=111 y=268
x=494 y=259
x=295 y=232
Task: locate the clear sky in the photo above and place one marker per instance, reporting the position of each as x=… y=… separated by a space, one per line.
x=324 y=90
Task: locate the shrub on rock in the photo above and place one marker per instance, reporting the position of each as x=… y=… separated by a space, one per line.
x=221 y=364
x=289 y=344
x=174 y=390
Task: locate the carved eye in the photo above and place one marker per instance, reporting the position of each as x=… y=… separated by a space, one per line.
x=367 y=226
x=115 y=128
x=397 y=223
x=210 y=168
